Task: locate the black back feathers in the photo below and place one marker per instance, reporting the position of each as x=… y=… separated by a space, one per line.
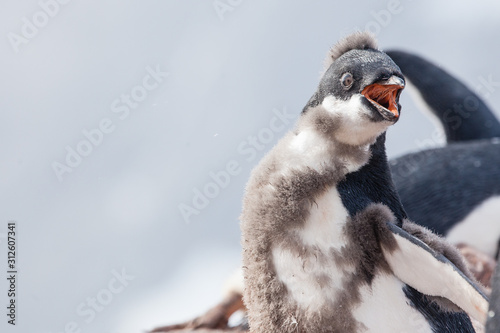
x=440 y=187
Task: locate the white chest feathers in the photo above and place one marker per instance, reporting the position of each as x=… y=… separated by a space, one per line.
x=309 y=149
x=315 y=280
x=384 y=307
x=480 y=228
x=312 y=278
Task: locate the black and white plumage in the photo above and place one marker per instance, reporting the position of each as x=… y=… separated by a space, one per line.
x=453 y=190
x=326 y=243
x=441 y=187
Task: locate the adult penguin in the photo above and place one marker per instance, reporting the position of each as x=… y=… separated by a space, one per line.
x=453 y=190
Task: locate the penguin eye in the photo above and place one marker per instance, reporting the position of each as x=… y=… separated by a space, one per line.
x=347 y=80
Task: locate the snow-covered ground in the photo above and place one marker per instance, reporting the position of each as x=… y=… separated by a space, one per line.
x=129 y=128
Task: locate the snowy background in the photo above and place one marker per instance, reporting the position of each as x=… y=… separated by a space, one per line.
x=115 y=209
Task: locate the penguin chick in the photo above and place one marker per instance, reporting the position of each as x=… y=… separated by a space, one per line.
x=323 y=248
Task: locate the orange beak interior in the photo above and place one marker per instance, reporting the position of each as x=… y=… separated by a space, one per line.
x=384 y=95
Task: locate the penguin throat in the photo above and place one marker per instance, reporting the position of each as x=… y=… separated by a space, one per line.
x=385 y=96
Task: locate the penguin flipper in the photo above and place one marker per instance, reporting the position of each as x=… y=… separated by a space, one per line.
x=462 y=113
x=420 y=267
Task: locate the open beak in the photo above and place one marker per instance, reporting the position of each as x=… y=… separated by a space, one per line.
x=384 y=95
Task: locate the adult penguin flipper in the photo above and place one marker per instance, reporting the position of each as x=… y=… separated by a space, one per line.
x=431 y=273
x=461 y=112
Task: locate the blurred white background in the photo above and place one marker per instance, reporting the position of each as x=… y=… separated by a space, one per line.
x=231 y=66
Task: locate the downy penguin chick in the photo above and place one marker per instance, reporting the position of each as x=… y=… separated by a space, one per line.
x=323 y=247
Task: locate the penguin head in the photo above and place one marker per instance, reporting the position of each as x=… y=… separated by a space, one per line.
x=360 y=90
